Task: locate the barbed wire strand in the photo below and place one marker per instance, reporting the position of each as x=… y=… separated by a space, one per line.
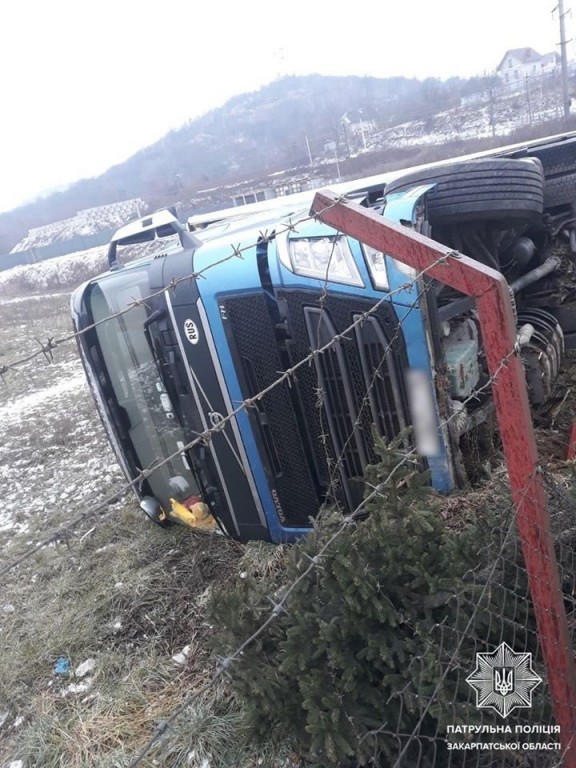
x=238 y=251
x=204 y=437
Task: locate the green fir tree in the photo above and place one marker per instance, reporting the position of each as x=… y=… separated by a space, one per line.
x=368 y=644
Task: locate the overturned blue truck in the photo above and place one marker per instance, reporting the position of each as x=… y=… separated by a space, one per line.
x=171 y=359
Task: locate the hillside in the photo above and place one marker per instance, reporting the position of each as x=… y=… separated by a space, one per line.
x=312 y=126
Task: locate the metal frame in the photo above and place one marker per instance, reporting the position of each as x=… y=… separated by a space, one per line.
x=493 y=300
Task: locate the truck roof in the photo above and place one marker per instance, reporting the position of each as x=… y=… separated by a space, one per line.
x=145 y=224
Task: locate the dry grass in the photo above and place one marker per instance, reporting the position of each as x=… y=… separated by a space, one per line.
x=124 y=593
x=124 y=596
x=130 y=596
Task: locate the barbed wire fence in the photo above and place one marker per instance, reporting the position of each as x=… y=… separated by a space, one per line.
x=505 y=575
x=64 y=533
x=47 y=346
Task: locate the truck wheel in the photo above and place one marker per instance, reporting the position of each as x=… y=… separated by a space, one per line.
x=489 y=188
x=566 y=316
x=560 y=190
x=559 y=164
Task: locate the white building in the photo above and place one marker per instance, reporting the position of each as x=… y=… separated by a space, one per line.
x=520 y=63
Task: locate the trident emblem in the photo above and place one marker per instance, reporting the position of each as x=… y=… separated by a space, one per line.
x=503 y=681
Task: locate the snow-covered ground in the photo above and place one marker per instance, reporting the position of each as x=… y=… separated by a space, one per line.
x=64 y=272
x=68 y=379
x=489 y=117
x=86 y=222
x=54 y=456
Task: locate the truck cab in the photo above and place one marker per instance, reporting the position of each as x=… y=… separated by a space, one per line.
x=247 y=371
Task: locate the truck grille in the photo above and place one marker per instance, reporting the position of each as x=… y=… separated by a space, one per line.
x=316 y=434
x=382 y=378
x=336 y=395
x=355 y=385
x=254 y=348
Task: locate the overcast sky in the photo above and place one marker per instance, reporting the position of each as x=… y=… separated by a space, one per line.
x=87 y=84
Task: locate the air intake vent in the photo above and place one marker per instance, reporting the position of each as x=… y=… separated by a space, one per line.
x=337 y=394
x=382 y=378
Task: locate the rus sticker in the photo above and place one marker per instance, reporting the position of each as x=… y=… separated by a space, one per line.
x=191 y=331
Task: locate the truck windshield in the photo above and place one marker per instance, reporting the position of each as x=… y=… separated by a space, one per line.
x=149 y=417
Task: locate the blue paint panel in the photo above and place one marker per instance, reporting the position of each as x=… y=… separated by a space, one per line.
x=241 y=275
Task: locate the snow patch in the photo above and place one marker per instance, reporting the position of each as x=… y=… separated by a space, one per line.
x=14 y=411
x=82 y=687
x=182 y=657
x=86 y=666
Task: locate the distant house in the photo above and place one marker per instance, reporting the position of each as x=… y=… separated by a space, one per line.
x=520 y=63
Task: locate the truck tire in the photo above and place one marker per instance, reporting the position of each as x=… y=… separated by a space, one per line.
x=559 y=164
x=560 y=190
x=498 y=189
x=566 y=316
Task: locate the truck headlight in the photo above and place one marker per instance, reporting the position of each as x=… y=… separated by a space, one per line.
x=326 y=258
x=377 y=266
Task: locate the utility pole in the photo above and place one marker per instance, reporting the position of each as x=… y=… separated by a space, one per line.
x=308 y=148
x=564 y=58
x=491 y=112
x=529 y=104
x=337 y=163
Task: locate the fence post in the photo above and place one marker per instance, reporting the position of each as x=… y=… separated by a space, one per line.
x=493 y=301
